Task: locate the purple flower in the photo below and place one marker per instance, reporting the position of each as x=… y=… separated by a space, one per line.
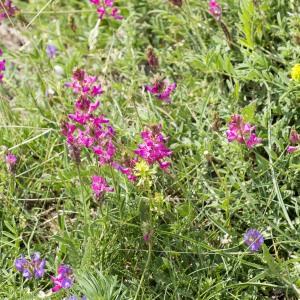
x=243 y=133
x=11 y=162
x=106 y=8
x=254 y=239
x=64 y=278
x=215 y=9
x=51 y=51
x=153 y=149
x=162 y=90
x=2 y=66
x=292 y=149
x=100 y=186
x=7 y=9
x=295 y=140
x=34 y=267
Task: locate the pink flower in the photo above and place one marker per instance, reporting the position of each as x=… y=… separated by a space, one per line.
x=64 y=278
x=11 y=162
x=2 y=66
x=162 y=90
x=7 y=9
x=127 y=168
x=153 y=149
x=215 y=9
x=106 y=8
x=291 y=149
x=294 y=137
x=100 y=186
x=243 y=133
x=115 y=13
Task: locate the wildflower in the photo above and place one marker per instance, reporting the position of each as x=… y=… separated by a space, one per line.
x=162 y=89
x=177 y=2
x=295 y=140
x=254 y=239
x=51 y=51
x=153 y=149
x=242 y=132
x=64 y=278
x=107 y=8
x=127 y=168
x=7 y=9
x=11 y=162
x=2 y=66
x=152 y=59
x=295 y=72
x=35 y=267
x=215 y=10
x=100 y=186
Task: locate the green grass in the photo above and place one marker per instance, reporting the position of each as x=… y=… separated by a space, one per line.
x=215 y=189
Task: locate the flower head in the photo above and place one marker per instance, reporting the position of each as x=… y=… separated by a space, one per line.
x=106 y=8
x=64 y=278
x=254 y=239
x=154 y=149
x=11 y=162
x=51 y=51
x=215 y=9
x=295 y=72
x=2 y=66
x=33 y=267
x=295 y=140
x=162 y=89
x=7 y=9
x=242 y=132
x=100 y=186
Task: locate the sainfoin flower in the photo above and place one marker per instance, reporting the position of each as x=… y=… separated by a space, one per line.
x=295 y=140
x=11 y=162
x=254 y=239
x=64 y=278
x=2 y=66
x=51 y=51
x=33 y=267
x=154 y=149
x=100 y=186
x=7 y=9
x=215 y=10
x=107 y=8
x=162 y=89
x=242 y=132
x=295 y=72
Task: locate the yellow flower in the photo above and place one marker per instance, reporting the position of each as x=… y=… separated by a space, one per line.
x=295 y=73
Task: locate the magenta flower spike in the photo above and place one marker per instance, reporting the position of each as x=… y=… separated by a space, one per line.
x=100 y=186
x=64 y=278
x=11 y=162
x=7 y=10
x=215 y=10
x=107 y=8
x=162 y=89
x=154 y=149
x=243 y=133
x=2 y=66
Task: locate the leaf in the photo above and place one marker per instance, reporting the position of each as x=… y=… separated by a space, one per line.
x=248 y=112
x=273 y=266
x=94 y=35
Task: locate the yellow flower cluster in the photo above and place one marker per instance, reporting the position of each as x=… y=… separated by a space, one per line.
x=295 y=73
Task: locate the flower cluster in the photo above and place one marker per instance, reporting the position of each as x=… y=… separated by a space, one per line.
x=295 y=72
x=153 y=149
x=107 y=8
x=162 y=89
x=11 y=162
x=2 y=66
x=100 y=186
x=87 y=130
x=64 y=278
x=242 y=132
x=254 y=239
x=34 y=267
x=7 y=9
x=295 y=141
x=215 y=10
x=51 y=51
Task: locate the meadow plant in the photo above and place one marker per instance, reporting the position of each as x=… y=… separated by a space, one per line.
x=11 y=162
x=31 y=268
x=254 y=239
x=295 y=141
x=295 y=72
x=2 y=66
x=64 y=278
x=243 y=133
x=51 y=51
x=7 y=9
x=162 y=89
x=100 y=186
x=107 y=8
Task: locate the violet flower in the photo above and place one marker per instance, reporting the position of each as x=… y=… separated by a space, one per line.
x=64 y=278
x=254 y=239
x=7 y=9
x=2 y=66
x=11 y=162
x=107 y=8
x=100 y=186
x=153 y=149
x=243 y=133
x=215 y=10
x=162 y=90
x=295 y=140
x=51 y=51
x=35 y=267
